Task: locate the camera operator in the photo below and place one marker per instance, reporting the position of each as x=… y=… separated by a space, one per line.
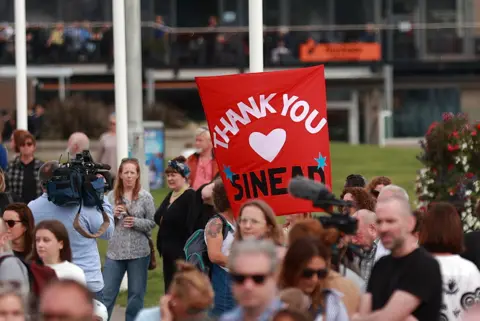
x=84 y=250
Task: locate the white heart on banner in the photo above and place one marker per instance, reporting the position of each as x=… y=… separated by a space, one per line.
x=268 y=146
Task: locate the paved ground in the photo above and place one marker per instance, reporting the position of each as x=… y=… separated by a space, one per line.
x=118 y=314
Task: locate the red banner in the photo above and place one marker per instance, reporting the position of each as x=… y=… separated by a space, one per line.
x=267 y=128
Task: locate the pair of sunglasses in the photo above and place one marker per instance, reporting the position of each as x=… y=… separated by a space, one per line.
x=11 y=223
x=256 y=278
x=29 y=144
x=309 y=273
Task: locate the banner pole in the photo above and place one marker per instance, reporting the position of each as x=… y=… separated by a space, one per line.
x=255 y=33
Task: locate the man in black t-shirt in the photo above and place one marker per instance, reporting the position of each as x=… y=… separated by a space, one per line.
x=407 y=284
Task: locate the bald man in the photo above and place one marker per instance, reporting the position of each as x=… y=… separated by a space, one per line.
x=367 y=239
x=392 y=191
x=77 y=143
x=406 y=283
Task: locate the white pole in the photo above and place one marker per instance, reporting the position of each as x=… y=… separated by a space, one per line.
x=133 y=22
x=121 y=112
x=255 y=34
x=21 y=64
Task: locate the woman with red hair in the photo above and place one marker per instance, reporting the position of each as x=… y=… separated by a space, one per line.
x=129 y=248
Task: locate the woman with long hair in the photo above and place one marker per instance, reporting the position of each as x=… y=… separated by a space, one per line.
x=189 y=297
x=129 y=247
x=176 y=217
x=219 y=236
x=441 y=234
x=256 y=219
x=306 y=266
x=20 y=224
x=52 y=248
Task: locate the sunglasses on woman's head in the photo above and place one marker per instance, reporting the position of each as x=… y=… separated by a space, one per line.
x=129 y=159
x=11 y=223
x=241 y=278
x=309 y=273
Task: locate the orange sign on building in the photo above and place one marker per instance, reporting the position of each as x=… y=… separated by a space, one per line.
x=358 y=51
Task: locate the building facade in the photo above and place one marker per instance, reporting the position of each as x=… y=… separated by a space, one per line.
x=413 y=59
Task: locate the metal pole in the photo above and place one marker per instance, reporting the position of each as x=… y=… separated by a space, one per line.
x=385 y=112
x=61 y=88
x=21 y=64
x=120 y=78
x=135 y=85
x=255 y=33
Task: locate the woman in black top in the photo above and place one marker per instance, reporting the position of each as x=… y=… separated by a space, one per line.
x=176 y=217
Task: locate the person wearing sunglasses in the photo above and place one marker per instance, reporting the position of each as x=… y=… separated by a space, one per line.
x=189 y=297
x=253 y=266
x=306 y=266
x=376 y=185
x=22 y=173
x=20 y=225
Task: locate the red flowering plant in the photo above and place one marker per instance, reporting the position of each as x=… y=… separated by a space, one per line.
x=451 y=159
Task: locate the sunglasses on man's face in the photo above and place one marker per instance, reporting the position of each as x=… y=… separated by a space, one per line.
x=241 y=278
x=309 y=273
x=29 y=144
x=11 y=223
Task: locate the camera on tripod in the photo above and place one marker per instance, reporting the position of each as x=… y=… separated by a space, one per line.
x=81 y=182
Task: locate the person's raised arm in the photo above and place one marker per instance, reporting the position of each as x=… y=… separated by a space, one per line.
x=214 y=238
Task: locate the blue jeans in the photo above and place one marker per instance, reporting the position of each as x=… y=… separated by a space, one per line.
x=99 y=296
x=113 y=273
x=221 y=283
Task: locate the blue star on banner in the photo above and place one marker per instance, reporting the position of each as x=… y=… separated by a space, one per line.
x=321 y=161
x=228 y=172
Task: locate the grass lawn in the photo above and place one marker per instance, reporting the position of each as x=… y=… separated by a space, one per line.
x=399 y=164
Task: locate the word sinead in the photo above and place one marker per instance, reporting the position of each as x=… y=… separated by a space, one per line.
x=298 y=110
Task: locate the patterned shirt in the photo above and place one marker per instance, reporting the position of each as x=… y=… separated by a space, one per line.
x=132 y=243
x=237 y=313
x=14 y=176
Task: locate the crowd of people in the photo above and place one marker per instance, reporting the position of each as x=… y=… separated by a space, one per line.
x=399 y=265
x=81 y=42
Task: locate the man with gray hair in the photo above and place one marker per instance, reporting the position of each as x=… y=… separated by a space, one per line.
x=407 y=284
x=202 y=163
x=392 y=191
x=77 y=143
x=253 y=265
x=11 y=268
x=367 y=239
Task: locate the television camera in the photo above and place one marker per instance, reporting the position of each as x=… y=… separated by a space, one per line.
x=323 y=198
x=81 y=182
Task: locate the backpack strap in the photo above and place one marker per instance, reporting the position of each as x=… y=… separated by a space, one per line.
x=99 y=203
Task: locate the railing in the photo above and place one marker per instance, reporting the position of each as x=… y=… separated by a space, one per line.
x=165 y=47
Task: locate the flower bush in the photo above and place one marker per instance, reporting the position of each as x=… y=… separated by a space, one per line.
x=451 y=167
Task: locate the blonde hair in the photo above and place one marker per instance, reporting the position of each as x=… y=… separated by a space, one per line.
x=187 y=279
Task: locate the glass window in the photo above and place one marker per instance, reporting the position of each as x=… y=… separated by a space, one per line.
x=444 y=41
x=415 y=109
x=84 y=10
x=42 y=11
x=6 y=11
